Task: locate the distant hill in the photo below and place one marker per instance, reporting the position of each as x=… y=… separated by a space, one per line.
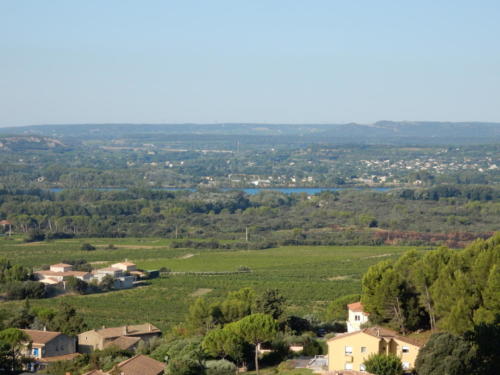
x=382 y=132
x=25 y=142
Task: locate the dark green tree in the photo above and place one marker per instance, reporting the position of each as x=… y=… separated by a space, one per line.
x=67 y=321
x=337 y=309
x=271 y=302
x=256 y=329
x=445 y=353
x=76 y=285
x=12 y=341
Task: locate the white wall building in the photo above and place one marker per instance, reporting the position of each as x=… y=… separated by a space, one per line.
x=356 y=316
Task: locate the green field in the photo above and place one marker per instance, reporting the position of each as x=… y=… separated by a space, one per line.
x=309 y=277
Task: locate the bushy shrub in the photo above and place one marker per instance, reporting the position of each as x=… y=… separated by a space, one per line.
x=25 y=289
x=185 y=366
x=34 y=236
x=381 y=364
x=222 y=367
x=87 y=247
x=76 y=285
x=59 y=236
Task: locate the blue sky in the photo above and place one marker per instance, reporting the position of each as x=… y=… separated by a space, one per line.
x=112 y=61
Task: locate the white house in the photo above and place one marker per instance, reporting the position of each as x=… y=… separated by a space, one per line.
x=125 y=266
x=58 y=273
x=61 y=267
x=121 y=281
x=356 y=316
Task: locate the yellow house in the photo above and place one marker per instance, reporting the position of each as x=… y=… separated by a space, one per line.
x=348 y=351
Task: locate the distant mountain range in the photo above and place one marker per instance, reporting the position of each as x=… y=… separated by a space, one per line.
x=390 y=132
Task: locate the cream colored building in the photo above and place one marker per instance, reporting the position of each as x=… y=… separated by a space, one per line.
x=61 y=267
x=100 y=338
x=349 y=351
x=356 y=316
x=58 y=273
x=125 y=266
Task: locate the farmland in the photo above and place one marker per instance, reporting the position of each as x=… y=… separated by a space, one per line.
x=309 y=277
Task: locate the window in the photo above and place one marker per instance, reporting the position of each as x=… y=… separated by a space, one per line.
x=406 y=365
x=35 y=352
x=362 y=367
x=406 y=349
x=348 y=366
x=363 y=349
x=348 y=350
x=357 y=317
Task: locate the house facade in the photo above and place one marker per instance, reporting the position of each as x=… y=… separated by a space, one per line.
x=125 y=266
x=349 y=351
x=47 y=346
x=356 y=316
x=101 y=338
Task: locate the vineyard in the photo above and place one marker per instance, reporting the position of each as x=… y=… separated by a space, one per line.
x=309 y=277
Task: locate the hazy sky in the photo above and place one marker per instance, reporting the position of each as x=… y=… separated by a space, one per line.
x=286 y=61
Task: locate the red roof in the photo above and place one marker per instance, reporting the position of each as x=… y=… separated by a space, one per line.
x=356 y=307
x=67 y=273
x=378 y=332
x=141 y=365
x=41 y=337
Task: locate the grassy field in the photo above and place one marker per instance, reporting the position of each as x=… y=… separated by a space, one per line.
x=309 y=277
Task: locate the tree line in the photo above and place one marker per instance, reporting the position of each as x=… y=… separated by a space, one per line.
x=411 y=217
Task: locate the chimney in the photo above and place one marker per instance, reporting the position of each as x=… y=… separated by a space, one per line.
x=45 y=328
x=125 y=330
x=150 y=327
x=378 y=332
x=103 y=327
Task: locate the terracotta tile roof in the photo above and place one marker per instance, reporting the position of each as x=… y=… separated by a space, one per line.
x=356 y=307
x=41 y=337
x=61 y=265
x=141 y=365
x=66 y=357
x=132 y=330
x=379 y=332
x=409 y=341
x=126 y=263
x=5 y=222
x=124 y=342
x=67 y=273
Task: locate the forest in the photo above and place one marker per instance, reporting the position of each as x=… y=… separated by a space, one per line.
x=452 y=215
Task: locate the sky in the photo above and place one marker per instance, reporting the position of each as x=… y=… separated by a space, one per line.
x=262 y=61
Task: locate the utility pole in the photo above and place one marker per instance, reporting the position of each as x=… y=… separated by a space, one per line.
x=246 y=233
x=176 y=231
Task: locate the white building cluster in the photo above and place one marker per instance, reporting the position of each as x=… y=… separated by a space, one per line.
x=122 y=274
